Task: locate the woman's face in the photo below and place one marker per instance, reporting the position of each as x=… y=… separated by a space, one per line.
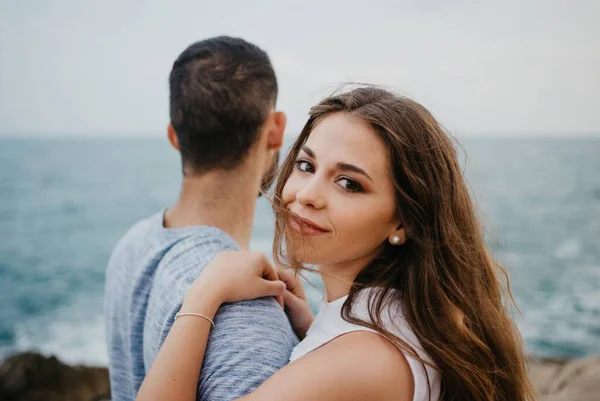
x=342 y=191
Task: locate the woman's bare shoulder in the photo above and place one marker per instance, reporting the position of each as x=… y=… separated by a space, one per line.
x=355 y=366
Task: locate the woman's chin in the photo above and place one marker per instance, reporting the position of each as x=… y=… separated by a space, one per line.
x=307 y=257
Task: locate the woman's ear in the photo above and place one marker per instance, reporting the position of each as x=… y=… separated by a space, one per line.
x=172 y=135
x=398 y=237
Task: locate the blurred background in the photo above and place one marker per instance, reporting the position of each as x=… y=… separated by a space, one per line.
x=83 y=150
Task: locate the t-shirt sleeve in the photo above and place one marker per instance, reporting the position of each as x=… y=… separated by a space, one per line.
x=251 y=340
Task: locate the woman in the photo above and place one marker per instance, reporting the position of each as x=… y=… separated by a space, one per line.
x=372 y=194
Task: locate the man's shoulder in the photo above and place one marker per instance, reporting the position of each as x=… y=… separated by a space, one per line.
x=198 y=247
x=184 y=256
x=148 y=237
x=150 y=256
x=137 y=236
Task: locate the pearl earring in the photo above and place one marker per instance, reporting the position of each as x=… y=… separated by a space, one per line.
x=395 y=240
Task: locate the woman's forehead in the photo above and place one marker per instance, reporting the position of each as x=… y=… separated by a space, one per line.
x=341 y=138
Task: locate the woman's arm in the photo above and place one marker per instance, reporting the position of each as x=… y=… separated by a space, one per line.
x=353 y=367
x=356 y=366
x=230 y=277
x=175 y=371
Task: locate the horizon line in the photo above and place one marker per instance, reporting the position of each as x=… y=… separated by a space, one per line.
x=155 y=136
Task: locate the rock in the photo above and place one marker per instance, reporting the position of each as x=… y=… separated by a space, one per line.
x=566 y=380
x=33 y=377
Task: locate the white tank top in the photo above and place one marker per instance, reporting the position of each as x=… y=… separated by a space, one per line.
x=328 y=325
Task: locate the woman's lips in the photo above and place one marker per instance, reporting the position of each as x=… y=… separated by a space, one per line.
x=305 y=226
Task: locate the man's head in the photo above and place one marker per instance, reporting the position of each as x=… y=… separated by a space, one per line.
x=222 y=97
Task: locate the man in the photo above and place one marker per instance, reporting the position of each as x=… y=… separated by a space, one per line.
x=222 y=98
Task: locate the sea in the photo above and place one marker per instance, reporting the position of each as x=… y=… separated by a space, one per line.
x=64 y=203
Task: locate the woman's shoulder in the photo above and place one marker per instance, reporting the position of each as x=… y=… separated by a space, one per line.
x=375 y=305
x=387 y=309
x=368 y=358
x=331 y=322
x=357 y=365
x=339 y=344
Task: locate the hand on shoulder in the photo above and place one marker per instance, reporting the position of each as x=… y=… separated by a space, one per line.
x=234 y=276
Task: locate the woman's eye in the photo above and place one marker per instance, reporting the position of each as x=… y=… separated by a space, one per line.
x=349 y=185
x=305 y=166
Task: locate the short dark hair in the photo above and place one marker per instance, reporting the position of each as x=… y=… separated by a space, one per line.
x=221 y=92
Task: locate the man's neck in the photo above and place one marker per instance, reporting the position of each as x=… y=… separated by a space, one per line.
x=221 y=199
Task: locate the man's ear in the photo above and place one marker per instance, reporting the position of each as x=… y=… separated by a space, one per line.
x=275 y=134
x=172 y=135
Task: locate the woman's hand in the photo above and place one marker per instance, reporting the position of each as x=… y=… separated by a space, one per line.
x=296 y=304
x=233 y=276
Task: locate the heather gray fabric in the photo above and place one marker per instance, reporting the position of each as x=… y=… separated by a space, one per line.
x=146 y=280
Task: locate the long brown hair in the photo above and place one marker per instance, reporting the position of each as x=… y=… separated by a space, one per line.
x=449 y=284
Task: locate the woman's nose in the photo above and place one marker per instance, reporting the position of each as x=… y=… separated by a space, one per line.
x=311 y=195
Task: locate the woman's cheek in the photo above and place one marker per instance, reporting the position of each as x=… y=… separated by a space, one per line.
x=288 y=194
x=363 y=223
x=349 y=219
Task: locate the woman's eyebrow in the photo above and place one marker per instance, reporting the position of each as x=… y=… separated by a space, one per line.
x=340 y=166
x=354 y=169
x=308 y=151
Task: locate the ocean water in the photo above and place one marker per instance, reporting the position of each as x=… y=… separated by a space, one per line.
x=64 y=204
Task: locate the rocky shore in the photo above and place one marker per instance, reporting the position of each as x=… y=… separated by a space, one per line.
x=33 y=377
x=566 y=380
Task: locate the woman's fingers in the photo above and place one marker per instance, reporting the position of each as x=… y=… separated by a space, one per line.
x=267 y=270
x=290 y=299
x=279 y=299
x=298 y=312
x=240 y=275
x=272 y=288
x=287 y=279
x=268 y=280
x=292 y=283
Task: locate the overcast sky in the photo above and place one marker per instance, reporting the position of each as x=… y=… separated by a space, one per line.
x=507 y=67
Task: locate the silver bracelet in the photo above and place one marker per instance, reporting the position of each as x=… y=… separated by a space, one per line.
x=179 y=314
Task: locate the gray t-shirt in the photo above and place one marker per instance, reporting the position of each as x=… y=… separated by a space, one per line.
x=147 y=277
